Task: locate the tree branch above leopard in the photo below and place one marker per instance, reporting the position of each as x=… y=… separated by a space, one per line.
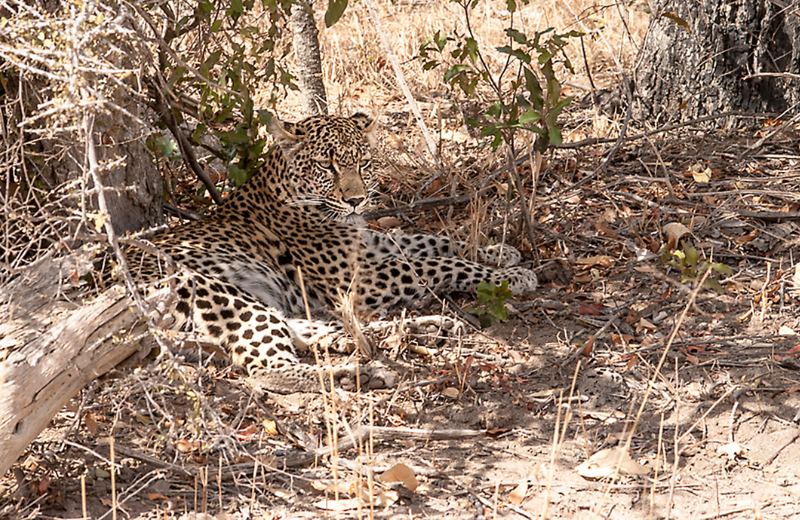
x=299 y=215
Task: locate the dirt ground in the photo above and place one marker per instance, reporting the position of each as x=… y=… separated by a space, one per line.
x=617 y=348
x=613 y=349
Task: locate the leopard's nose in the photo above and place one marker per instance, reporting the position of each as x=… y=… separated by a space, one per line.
x=355 y=201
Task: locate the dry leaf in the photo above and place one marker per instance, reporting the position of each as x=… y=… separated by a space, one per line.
x=589 y=310
x=604 y=464
x=795 y=350
x=518 y=494
x=588 y=346
x=744 y=239
x=786 y=331
x=247 y=433
x=386 y=498
x=99 y=221
x=389 y=222
x=157 y=496
x=183 y=446
x=143 y=419
x=701 y=176
x=732 y=450
x=91 y=423
x=450 y=392
x=75 y=277
x=606 y=417
x=340 y=486
x=796 y=276
x=400 y=473
x=674 y=231
x=546 y=393
x=270 y=426
x=345 y=504
x=622 y=339
x=644 y=325
x=597 y=260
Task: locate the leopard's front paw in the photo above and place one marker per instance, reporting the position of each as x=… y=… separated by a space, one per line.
x=371 y=377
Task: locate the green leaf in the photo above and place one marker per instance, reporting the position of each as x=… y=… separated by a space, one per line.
x=496 y=110
x=455 y=70
x=721 y=269
x=477 y=311
x=441 y=40
x=530 y=117
x=472 y=48
x=238 y=137
x=335 y=10
x=168 y=148
x=553 y=91
x=544 y=57
x=498 y=140
x=535 y=89
x=713 y=283
x=540 y=145
x=517 y=36
x=691 y=255
x=558 y=107
x=511 y=5
x=236 y=174
x=555 y=135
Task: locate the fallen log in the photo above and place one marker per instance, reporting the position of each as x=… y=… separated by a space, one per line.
x=51 y=346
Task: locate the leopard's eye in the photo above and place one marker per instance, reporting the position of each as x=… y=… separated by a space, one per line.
x=366 y=160
x=323 y=163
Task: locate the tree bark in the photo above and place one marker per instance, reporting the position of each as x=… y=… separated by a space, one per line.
x=309 y=62
x=51 y=347
x=687 y=72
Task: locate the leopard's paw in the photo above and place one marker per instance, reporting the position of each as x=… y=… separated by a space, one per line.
x=371 y=377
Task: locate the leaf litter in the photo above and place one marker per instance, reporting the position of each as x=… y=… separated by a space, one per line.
x=571 y=366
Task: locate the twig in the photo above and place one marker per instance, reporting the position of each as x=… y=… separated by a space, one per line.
x=387 y=46
x=147 y=459
x=580 y=349
x=162 y=108
x=621 y=139
x=758 y=144
x=523 y=204
x=164 y=46
x=423 y=204
x=375 y=432
x=660 y=130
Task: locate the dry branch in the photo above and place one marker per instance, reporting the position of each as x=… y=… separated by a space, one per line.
x=51 y=347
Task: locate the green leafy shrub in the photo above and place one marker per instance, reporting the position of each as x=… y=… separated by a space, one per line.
x=492 y=302
x=692 y=268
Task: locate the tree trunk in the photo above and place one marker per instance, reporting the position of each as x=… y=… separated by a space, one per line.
x=309 y=63
x=687 y=72
x=51 y=347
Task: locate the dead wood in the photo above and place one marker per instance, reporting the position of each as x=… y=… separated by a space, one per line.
x=52 y=346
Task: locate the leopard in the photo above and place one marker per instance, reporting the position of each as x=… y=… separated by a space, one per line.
x=290 y=241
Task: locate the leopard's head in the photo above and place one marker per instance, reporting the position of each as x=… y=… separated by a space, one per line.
x=330 y=162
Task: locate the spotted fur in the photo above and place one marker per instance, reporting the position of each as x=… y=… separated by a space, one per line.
x=294 y=216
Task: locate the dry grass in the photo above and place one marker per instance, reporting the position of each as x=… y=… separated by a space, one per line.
x=507 y=386
x=358 y=75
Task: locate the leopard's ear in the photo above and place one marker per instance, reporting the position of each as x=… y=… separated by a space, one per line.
x=366 y=124
x=288 y=135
